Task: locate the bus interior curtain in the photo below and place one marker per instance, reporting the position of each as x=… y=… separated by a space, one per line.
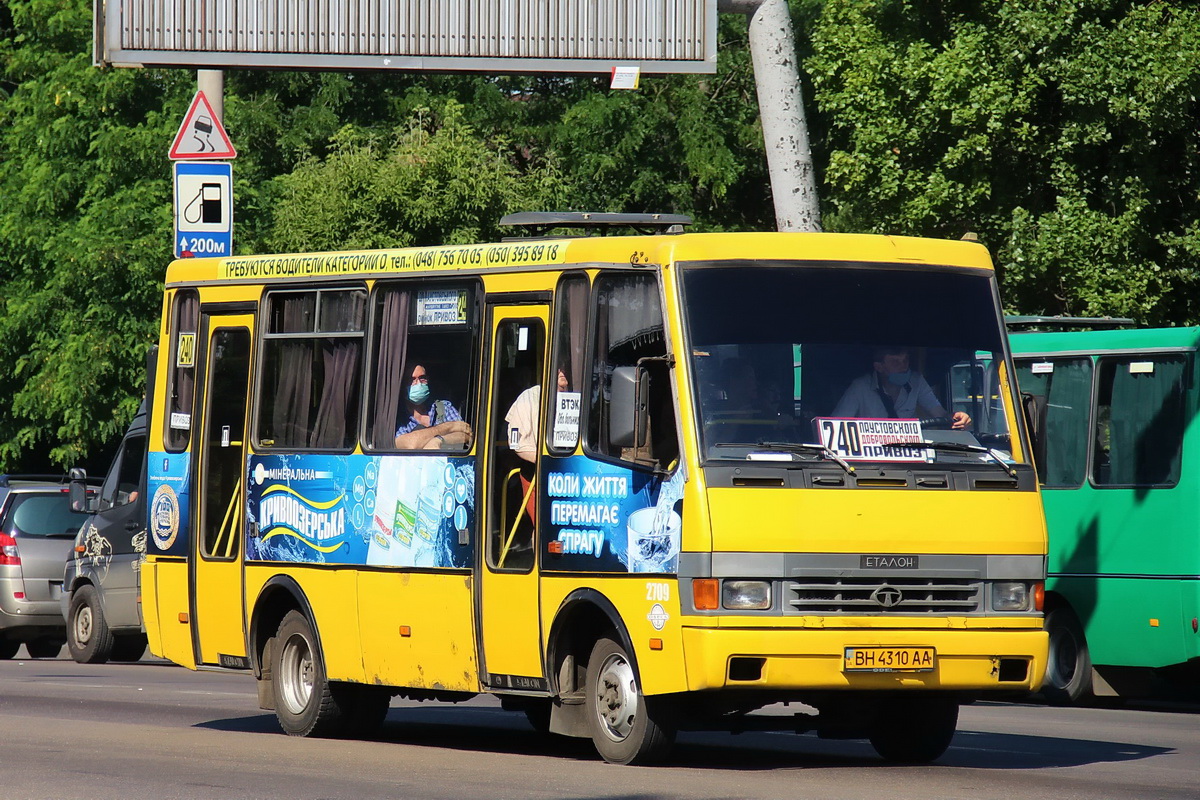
x=391 y=383
x=634 y=315
x=1069 y=401
x=571 y=362
x=293 y=378
x=1145 y=428
x=334 y=413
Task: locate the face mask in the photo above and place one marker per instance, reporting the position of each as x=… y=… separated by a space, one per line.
x=900 y=378
x=418 y=393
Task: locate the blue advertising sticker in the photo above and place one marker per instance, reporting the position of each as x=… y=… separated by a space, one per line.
x=360 y=510
x=609 y=518
x=169 y=485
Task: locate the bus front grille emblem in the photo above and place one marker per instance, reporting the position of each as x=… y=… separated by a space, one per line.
x=887 y=596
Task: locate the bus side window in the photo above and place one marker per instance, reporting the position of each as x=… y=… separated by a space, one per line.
x=185 y=314
x=1066 y=386
x=312 y=358
x=414 y=324
x=566 y=375
x=629 y=327
x=1139 y=420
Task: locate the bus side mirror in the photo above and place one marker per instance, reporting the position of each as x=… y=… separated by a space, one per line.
x=77 y=494
x=628 y=417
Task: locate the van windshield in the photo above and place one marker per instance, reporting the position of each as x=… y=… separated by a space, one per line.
x=853 y=361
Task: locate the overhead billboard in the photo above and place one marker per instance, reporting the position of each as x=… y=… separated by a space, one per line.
x=564 y=36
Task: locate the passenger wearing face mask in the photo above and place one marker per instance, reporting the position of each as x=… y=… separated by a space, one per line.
x=894 y=390
x=432 y=425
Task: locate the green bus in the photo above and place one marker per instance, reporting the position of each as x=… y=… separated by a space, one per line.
x=1118 y=457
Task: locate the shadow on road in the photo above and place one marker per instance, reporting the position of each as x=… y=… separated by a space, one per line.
x=494 y=731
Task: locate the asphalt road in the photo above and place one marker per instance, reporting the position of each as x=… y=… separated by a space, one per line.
x=152 y=730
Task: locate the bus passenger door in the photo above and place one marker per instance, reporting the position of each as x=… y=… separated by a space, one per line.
x=510 y=629
x=216 y=559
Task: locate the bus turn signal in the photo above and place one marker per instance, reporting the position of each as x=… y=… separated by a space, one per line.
x=706 y=594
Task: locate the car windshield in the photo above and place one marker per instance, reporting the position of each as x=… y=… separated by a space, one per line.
x=852 y=362
x=43 y=515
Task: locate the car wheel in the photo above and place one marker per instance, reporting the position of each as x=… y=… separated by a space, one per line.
x=88 y=638
x=128 y=647
x=44 y=647
x=306 y=703
x=1068 y=664
x=914 y=729
x=627 y=727
x=8 y=649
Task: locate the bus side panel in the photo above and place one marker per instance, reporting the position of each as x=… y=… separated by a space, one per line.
x=165 y=604
x=418 y=630
x=148 y=606
x=1139 y=540
x=332 y=594
x=649 y=609
x=1129 y=621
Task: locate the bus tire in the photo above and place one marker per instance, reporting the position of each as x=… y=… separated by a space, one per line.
x=914 y=729
x=625 y=726
x=306 y=703
x=128 y=647
x=89 y=639
x=1068 y=663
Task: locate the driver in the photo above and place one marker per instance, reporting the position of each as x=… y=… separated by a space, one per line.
x=894 y=390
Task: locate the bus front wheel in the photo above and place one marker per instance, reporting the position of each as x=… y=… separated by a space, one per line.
x=914 y=729
x=1068 y=664
x=625 y=725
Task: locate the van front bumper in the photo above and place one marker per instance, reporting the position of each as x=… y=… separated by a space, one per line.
x=802 y=659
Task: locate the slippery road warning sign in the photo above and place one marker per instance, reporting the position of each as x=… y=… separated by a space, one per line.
x=201 y=136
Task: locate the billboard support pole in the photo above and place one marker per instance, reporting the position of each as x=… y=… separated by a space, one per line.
x=781 y=109
x=212 y=83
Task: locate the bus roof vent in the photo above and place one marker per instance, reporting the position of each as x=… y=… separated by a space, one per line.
x=1068 y=323
x=540 y=223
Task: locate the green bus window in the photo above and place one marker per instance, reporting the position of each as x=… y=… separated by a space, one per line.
x=1139 y=421
x=566 y=377
x=185 y=314
x=629 y=327
x=312 y=357
x=1066 y=387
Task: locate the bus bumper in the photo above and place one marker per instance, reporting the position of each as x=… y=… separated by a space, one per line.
x=962 y=660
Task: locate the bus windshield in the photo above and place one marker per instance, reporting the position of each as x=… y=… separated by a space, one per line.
x=796 y=361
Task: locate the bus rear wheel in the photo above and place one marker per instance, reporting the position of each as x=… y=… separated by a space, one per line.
x=1068 y=664
x=914 y=729
x=625 y=726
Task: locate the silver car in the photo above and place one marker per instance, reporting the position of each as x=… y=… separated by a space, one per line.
x=37 y=534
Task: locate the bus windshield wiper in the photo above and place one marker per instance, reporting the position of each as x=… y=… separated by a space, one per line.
x=798 y=447
x=957 y=447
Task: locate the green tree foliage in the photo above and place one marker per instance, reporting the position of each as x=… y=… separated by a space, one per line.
x=1064 y=133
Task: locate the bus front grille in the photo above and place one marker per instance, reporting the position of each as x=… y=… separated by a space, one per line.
x=893 y=596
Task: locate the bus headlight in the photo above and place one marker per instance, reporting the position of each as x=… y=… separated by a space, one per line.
x=1010 y=596
x=745 y=595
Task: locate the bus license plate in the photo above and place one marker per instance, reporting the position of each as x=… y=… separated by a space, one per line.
x=889 y=659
